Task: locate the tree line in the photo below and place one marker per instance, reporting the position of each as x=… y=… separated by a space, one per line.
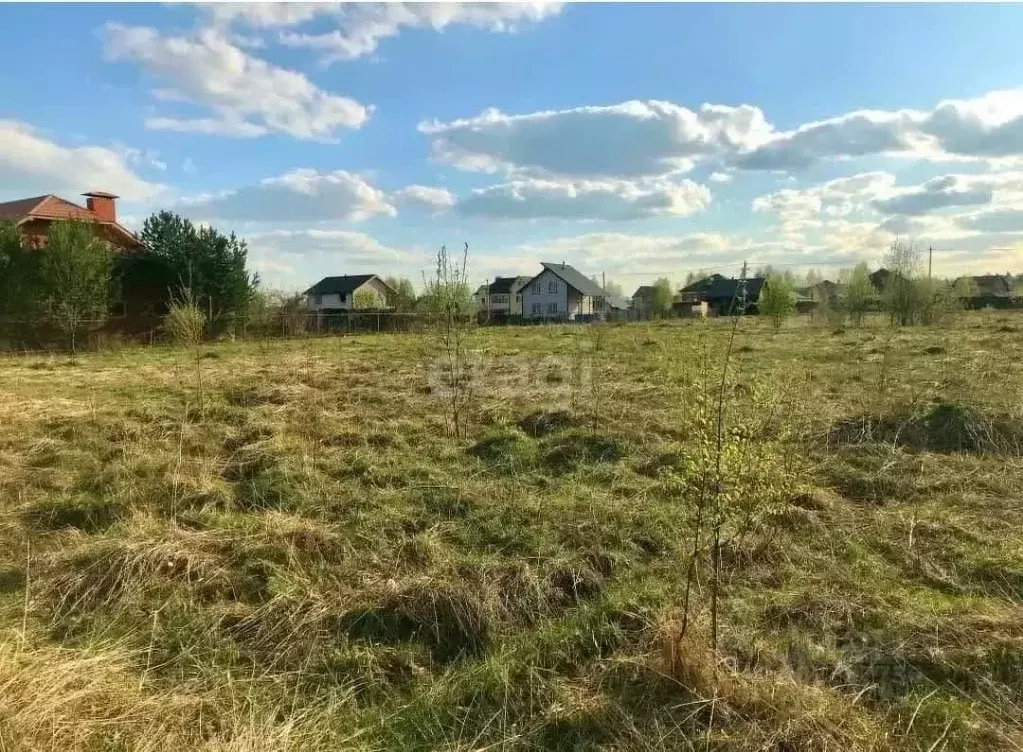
x=76 y=278
x=907 y=293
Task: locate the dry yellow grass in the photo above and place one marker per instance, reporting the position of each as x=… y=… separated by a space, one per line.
x=315 y=562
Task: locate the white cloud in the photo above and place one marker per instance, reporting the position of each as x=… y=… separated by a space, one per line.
x=266 y=15
x=32 y=164
x=342 y=246
x=631 y=139
x=303 y=195
x=837 y=198
x=979 y=129
x=437 y=200
x=650 y=138
x=227 y=125
x=861 y=215
x=585 y=199
x=149 y=158
x=361 y=26
x=937 y=193
x=245 y=92
x=720 y=177
x=298 y=258
x=997 y=220
x=855 y=134
x=188 y=166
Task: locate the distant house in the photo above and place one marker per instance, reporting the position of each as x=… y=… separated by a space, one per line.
x=501 y=298
x=618 y=307
x=823 y=291
x=561 y=291
x=34 y=217
x=993 y=290
x=333 y=294
x=722 y=295
x=643 y=301
x=880 y=278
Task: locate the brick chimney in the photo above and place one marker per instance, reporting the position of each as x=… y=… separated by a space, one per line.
x=103 y=205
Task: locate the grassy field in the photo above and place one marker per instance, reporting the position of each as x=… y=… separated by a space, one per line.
x=312 y=560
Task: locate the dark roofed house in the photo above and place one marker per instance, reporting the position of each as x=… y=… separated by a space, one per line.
x=880 y=278
x=34 y=217
x=561 y=291
x=723 y=294
x=339 y=293
x=501 y=298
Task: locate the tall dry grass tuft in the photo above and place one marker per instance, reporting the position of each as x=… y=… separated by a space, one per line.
x=186 y=325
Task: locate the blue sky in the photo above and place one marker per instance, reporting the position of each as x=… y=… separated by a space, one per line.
x=633 y=140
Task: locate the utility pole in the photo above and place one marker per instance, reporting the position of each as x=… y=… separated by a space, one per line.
x=930 y=259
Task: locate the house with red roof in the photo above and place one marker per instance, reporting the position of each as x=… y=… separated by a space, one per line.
x=35 y=215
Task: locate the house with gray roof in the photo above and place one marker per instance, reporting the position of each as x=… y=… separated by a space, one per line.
x=501 y=298
x=339 y=293
x=561 y=291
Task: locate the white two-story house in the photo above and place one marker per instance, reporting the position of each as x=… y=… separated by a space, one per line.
x=561 y=291
x=367 y=291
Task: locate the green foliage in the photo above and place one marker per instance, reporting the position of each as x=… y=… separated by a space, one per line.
x=776 y=300
x=74 y=277
x=209 y=263
x=660 y=302
x=18 y=272
x=403 y=297
x=448 y=292
x=10 y=243
x=366 y=300
x=860 y=295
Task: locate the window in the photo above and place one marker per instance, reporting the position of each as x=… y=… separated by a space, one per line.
x=552 y=286
x=552 y=307
x=318 y=299
x=536 y=288
x=537 y=309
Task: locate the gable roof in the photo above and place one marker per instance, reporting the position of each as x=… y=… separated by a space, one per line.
x=703 y=284
x=716 y=287
x=45 y=207
x=342 y=285
x=992 y=286
x=644 y=291
x=571 y=277
x=51 y=207
x=507 y=285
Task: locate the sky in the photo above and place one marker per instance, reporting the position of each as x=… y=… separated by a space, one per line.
x=630 y=140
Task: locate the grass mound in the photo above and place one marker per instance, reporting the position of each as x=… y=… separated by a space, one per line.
x=567 y=450
x=450 y=622
x=943 y=427
x=507 y=449
x=544 y=423
x=83 y=512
